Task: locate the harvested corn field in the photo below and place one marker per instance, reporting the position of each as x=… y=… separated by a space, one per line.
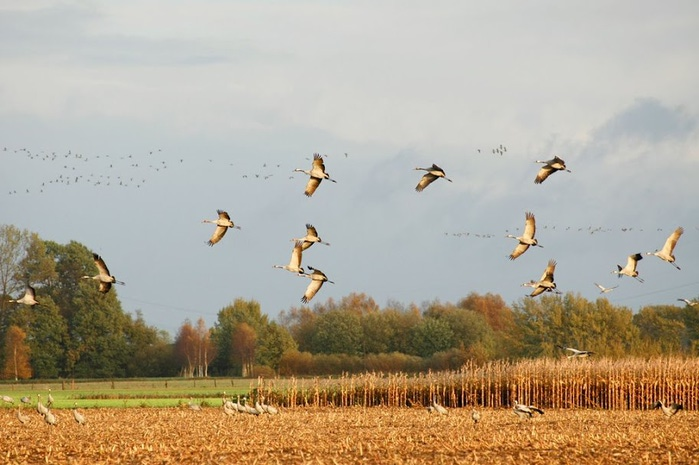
x=610 y=384
x=350 y=435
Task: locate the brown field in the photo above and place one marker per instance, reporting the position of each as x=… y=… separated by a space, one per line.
x=350 y=435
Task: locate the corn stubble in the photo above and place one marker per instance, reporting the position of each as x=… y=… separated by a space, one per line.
x=596 y=411
x=352 y=435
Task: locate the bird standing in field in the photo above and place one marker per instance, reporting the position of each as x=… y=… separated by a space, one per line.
x=630 y=268
x=475 y=416
x=266 y=408
x=40 y=408
x=105 y=279
x=193 y=405
x=316 y=175
x=526 y=411
x=604 y=290
x=49 y=399
x=433 y=172
x=317 y=280
x=295 y=262
x=666 y=252
x=311 y=237
x=223 y=222
x=29 y=297
x=550 y=167
x=546 y=283
x=79 y=417
x=527 y=238
x=668 y=410
x=575 y=353
x=20 y=416
x=436 y=408
x=50 y=418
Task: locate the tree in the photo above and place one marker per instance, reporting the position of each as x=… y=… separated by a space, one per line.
x=241 y=311
x=16 y=352
x=431 y=335
x=13 y=245
x=186 y=348
x=150 y=350
x=244 y=341
x=48 y=339
x=338 y=332
x=662 y=329
x=301 y=323
x=273 y=343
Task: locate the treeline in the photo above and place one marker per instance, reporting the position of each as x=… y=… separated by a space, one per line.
x=78 y=332
x=75 y=331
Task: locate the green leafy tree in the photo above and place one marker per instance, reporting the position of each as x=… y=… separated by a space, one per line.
x=662 y=330
x=273 y=343
x=430 y=336
x=227 y=360
x=301 y=323
x=338 y=332
x=47 y=338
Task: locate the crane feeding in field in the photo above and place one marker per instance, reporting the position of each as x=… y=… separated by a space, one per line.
x=666 y=252
x=223 y=223
x=576 y=353
x=525 y=411
x=77 y=416
x=29 y=297
x=630 y=268
x=546 y=283
x=668 y=410
x=433 y=172
x=527 y=238
x=105 y=279
x=550 y=167
x=604 y=290
x=265 y=408
x=50 y=418
x=316 y=175
x=311 y=237
x=8 y=399
x=690 y=303
x=317 y=280
x=434 y=407
x=20 y=416
x=193 y=405
x=294 y=265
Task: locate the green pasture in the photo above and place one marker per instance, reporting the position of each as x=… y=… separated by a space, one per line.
x=156 y=392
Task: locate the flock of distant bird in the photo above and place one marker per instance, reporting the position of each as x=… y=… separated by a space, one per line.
x=43 y=410
x=525 y=411
x=317 y=174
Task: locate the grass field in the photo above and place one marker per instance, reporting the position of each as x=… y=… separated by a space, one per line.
x=350 y=435
x=158 y=392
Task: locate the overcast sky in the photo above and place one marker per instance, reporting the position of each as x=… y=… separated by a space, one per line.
x=128 y=123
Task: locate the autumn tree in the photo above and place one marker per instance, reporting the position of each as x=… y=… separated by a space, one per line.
x=229 y=359
x=243 y=343
x=186 y=348
x=206 y=351
x=16 y=353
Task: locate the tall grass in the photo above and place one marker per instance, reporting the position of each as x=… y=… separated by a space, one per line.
x=610 y=384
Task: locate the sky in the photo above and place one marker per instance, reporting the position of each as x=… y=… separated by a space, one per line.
x=125 y=124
